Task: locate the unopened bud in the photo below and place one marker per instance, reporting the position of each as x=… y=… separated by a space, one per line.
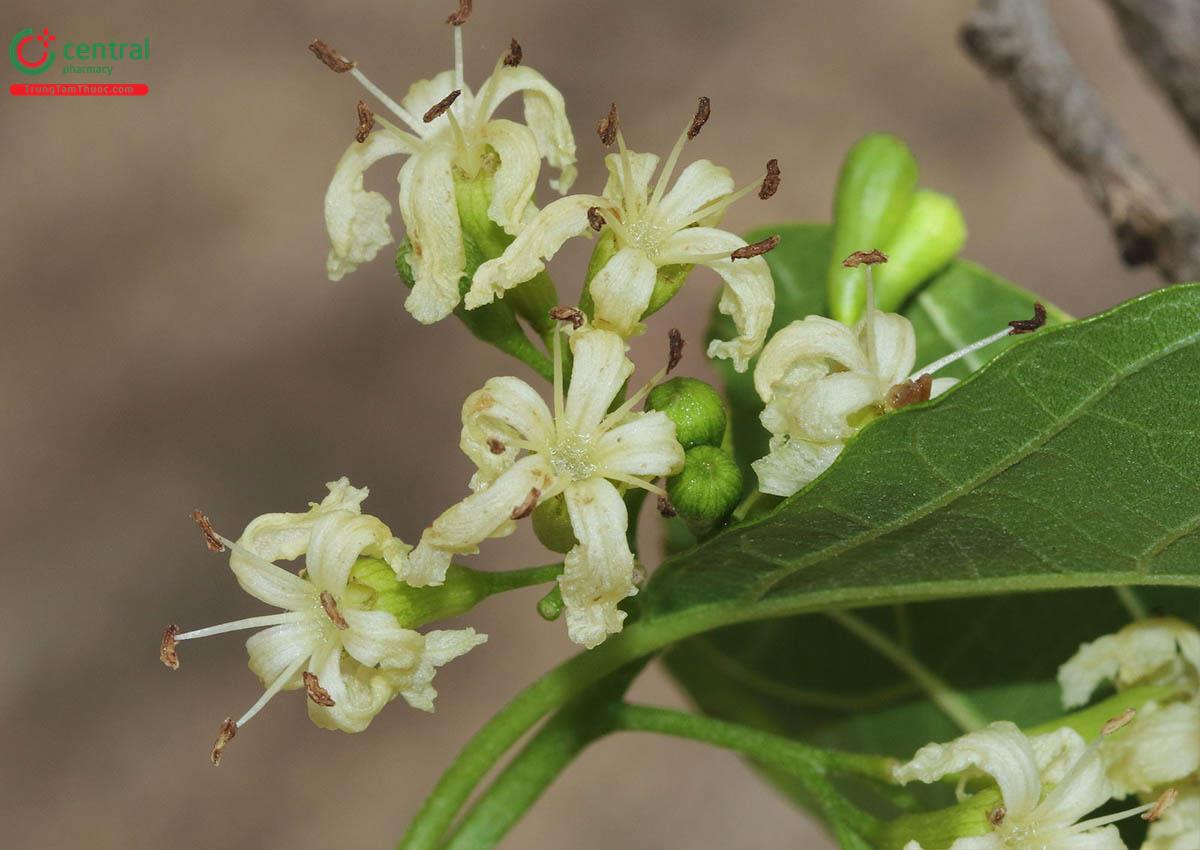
x=708 y=488
x=928 y=237
x=696 y=409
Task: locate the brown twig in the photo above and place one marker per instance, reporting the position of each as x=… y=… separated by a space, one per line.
x=1015 y=41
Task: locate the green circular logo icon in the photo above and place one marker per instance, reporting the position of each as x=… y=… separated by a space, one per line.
x=31 y=54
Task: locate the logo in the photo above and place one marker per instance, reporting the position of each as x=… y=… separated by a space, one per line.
x=26 y=57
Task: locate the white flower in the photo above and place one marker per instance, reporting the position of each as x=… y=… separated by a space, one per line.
x=351 y=659
x=1161 y=746
x=461 y=138
x=1179 y=827
x=579 y=450
x=1049 y=783
x=1160 y=651
x=654 y=228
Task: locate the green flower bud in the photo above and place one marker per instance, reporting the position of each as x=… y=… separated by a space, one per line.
x=929 y=237
x=551 y=606
x=696 y=409
x=373 y=584
x=552 y=525
x=874 y=192
x=707 y=490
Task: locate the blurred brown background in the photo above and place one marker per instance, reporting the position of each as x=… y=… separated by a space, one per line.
x=170 y=341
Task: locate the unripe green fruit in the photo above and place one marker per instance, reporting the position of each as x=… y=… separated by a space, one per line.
x=708 y=488
x=552 y=525
x=696 y=409
x=874 y=192
x=929 y=237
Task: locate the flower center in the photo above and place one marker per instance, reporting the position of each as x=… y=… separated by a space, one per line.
x=646 y=234
x=571 y=457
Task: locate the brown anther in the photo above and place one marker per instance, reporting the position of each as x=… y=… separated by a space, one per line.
x=441 y=107
x=495 y=446
x=333 y=60
x=666 y=508
x=227 y=733
x=331 y=610
x=515 y=54
x=1025 y=326
x=1165 y=800
x=459 y=17
x=703 y=111
x=870 y=258
x=206 y=528
x=366 y=122
x=595 y=219
x=315 y=692
x=166 y=650
x=910 y=392
x=567 y=314
x=757 y=249
x=996 y=816
x=526 y=507
x=1118 y=722
x=770 y=184
x=608 y=126
x=675 y=344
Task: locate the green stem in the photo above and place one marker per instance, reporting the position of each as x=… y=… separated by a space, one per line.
x=505 y=580
x=1132 y=601
x=950 y=701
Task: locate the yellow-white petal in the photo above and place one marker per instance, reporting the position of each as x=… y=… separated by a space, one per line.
x=429 y=207
x=643 y=446
x=698 y=185
x=820 y=410
x=597 y=375
x=359 y=692
x=895 y=345
x=516 y=178
x=503 y=409
x=598 y=571
x=1149 y=652
x=487 y=513
x=356 y=219
x=269 y=583
x=284 y=536
x=793 y=464
x=1180 y=824
x=1161 y=746
x=341 y=538
x=540 y=240
x=629 y=192
x=621 y=291
x=748 y=297
x=423 y=94
x=416 y=684
x=375 y=637
x=273 y=651
x=813 y=340
x=545 y=116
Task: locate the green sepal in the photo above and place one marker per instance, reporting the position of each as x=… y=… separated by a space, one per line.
x=417 y=606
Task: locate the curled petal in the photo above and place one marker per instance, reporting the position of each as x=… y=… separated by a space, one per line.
x=503 y=409
x=545 y=116
x=644 y=446
x=629 y=191
x=1180 y=824
x=814 y=341
x=429 y=207
x=749 y=294
x=599 y=372
x=621 y=291
x=341 y=538
x=698 y=185
x=1161 y=746
x=279 y=648
x=516 y=178
x=820 y=410
x=375 y=638
x=267 y=582
x=1148 y=652
x=358 y=692
x=793 y=464
x=284 y=536
x=481 y=515
x=895 y=345
x=540 y=240
x=416 y=683
x=598 y=571
x=1000 y=750
x=426 y=93
x=355 y=218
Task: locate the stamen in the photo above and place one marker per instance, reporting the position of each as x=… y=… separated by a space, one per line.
x=910 y=392
x=240 y=625
x=366 y=122
x=458 y=57
x=770 y=184
x=1149 y=812
x=868 y=258
x=619 y=228
x=211 y=538
x=1120 y=721
x=567 y=314
x=614 y=418
x=559 y=404
x=757 y=249
x=315 y=692
x=333 y=60
x=166 y=650
x=395 y=108
x=526 y=507
x=495 y=446
x=228 y=731
x=513 y=58
x=717 y=206
x=459 y=17
x=441 y=107
x=703 y=111
x=331 y=610
x=595 y=219
x=635 y=202
x=1164 y=802
x=633 y=481
x=274 y=688
x=675 y=344
x=665 y=508
x=1024 y=326
x=607 y=128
